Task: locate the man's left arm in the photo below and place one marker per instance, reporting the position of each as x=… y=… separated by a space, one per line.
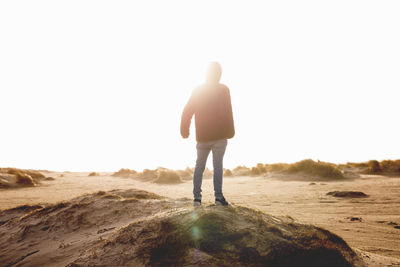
x=187 y=115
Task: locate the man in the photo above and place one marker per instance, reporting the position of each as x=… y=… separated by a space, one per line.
x=211 y=105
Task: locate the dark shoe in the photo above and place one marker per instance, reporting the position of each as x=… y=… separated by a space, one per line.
x=196 y=202
x=221 y=202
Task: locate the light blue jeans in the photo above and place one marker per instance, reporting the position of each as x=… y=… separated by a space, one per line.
x=203 y=149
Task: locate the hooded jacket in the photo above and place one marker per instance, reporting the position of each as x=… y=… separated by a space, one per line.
x=210 y=103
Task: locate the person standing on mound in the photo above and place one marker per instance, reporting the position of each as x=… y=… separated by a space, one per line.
x=211 y=104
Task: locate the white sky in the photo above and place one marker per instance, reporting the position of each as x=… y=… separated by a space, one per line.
x=100 y=85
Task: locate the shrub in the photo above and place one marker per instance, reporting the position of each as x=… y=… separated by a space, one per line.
x=357 y=164
x=258 y=169
x=190 y=170
x=276 y=167
x=390 y=166
x=33 y=174
x=228 y=173
x=147 y=175
x=262 y=168
x=241 y=171
x=124 y=173
x=168 y=177
x=185 y=174
x=374 y=166
x=24 y=179
x=93 y=174
x=4 y=182
x=319 y=168
x=255 y=171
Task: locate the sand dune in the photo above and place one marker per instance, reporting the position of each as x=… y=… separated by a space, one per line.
x=138 y=228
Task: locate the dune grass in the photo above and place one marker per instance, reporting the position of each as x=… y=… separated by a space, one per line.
x=33 y=174
x=305 y=167
x=319 y=168
x=228 y=173
x=308 y=167
x=24 y=179
x=387 y=167
x=168 y=177
x=241 y=171
x=390 y=166
x=276 y=167
x=124 y=173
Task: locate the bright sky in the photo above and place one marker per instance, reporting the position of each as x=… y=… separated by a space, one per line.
x=100 y=85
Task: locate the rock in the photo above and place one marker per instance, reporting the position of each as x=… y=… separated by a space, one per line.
x=355 y=219
x=347 y=194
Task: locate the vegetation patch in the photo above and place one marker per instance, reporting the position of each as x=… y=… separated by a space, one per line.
x=310 y=167
x=13 y=177
x=34 y=174
x=228 y=173
x=168 y=177
x=24 y=179
x=125 y=173
x=384 y=167
x=241 y=171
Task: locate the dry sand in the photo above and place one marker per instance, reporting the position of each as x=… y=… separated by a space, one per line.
x=374 y=235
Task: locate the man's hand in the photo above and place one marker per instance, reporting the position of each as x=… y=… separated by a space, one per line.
x=185 y=134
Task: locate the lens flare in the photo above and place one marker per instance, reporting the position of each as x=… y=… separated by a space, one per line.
x=196 y=232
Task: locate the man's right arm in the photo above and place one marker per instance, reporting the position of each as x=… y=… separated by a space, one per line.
x=230 y=126
x=187 y=115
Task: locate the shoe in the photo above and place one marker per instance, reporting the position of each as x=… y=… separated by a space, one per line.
x=196 y=202
x=221 y=202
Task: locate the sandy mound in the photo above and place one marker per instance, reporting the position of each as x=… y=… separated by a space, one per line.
x=58 y=233
x=137 y=228
x=348 y=194
x=218 y=236
x=12 y=177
